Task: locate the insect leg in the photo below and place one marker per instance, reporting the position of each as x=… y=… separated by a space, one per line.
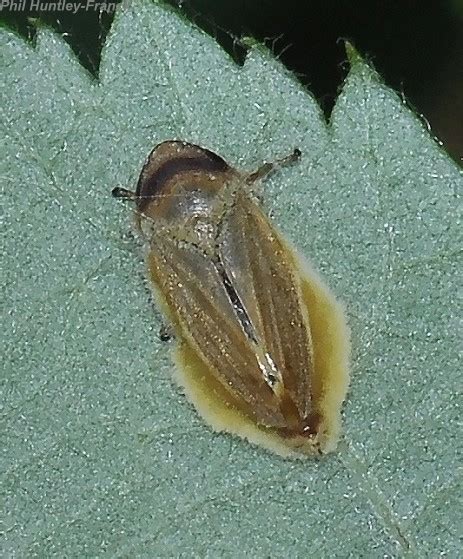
x=166 y=332
x=267 y=167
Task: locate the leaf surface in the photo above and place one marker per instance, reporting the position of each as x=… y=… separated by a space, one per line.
x=102 y=455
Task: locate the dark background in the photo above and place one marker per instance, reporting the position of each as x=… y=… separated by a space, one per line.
x=416 y=45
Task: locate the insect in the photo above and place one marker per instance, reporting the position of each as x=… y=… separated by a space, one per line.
x=261 y=343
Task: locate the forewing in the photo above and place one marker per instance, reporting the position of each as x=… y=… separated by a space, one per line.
x=264 y=276
x=193 y=288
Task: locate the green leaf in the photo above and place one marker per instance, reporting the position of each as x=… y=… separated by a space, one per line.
x=102 y=453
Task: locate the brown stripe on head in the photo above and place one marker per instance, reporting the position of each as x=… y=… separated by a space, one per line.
x=168 y=161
